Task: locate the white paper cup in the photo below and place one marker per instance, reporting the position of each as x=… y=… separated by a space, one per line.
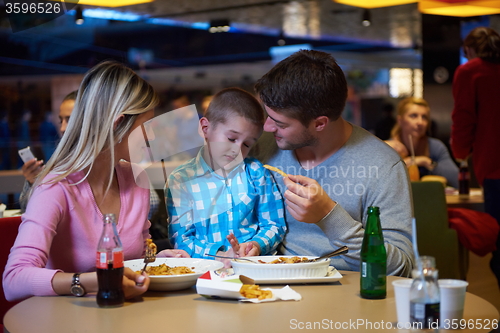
x=452 y=294
x=402 y=295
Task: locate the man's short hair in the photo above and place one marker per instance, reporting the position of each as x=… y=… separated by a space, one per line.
x=235 y=101
x=306 y=85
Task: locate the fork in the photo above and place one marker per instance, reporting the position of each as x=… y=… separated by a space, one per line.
x=234 y=258
x=149 y=257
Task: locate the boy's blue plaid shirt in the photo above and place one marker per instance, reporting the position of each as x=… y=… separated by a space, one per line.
x=204 y=207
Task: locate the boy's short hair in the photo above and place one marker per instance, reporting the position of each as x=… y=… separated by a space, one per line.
x=235 y=101
x=306 y=85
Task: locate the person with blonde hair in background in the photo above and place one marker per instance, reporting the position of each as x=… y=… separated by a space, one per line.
x=32 y=168
x=85 y=179
x=410 y=134
x=475 y=118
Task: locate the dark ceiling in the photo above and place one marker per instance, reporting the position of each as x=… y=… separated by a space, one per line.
x=62 y=47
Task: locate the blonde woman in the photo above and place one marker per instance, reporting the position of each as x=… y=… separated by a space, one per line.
x=431 y=155
x=85 y=179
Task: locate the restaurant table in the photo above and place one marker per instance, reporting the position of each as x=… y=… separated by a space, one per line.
x=329 y=306
x=474 y=201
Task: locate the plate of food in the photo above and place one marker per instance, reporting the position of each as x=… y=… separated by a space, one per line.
x=174 y=273
x=281 y=267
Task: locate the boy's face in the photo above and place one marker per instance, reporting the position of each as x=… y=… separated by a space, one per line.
x=230 y=142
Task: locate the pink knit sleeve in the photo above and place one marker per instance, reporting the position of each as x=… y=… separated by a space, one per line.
x=25 y=273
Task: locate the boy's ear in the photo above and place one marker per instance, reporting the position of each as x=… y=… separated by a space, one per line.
x=204 y=126
x=320 y=123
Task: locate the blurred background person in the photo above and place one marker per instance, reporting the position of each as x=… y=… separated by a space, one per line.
x=32 y=168
x=476 y=118
x=431 y=155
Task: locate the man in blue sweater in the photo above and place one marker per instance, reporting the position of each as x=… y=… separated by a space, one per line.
x=336 y=170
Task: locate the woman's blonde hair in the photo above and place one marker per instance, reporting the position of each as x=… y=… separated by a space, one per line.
x=108 y=90
x=403 y=108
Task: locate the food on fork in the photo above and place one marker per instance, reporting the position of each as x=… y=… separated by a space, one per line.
x=254 y=291
x=167 y=270
x=269 y=167
x=284 y=260
x=151 y=246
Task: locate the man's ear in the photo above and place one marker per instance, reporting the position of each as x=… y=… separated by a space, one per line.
x=204 y=127
x=117 y=121
x=320 y=123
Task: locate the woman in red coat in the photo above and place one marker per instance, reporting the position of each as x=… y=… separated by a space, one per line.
x=476 y=118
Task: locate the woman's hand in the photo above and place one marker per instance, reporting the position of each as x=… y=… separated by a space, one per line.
x=173 y=253
x=421 y=161
x=399 y=147
x=134 y=284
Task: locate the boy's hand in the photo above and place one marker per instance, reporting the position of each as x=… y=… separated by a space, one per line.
x=306 y=200
x=173 y=253
x=247 y=249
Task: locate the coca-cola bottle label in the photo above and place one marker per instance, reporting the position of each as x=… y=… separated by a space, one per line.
x=117 y=259
x=102 y=260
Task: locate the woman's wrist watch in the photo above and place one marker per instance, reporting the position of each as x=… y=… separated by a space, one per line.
x=76 y=287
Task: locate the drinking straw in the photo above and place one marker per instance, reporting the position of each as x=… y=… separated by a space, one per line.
x=414 y=240
x=412 y=149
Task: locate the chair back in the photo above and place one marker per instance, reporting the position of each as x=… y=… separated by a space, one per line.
x=8 y=232
x=434 y=236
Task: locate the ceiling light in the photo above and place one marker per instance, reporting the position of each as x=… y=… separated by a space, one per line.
x=366 y=19
x=108 y=3
x=221 y=25
x=79 y=15
x=460 y=8
x=374 y=3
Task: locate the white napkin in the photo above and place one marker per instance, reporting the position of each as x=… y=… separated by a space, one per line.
x=285 y=294
x=2 y=209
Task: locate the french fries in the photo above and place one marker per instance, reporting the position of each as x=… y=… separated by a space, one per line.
x=254 y=291
x=269 y=167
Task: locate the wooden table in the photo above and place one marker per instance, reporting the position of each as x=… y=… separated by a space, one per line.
x=324 y=306
x=474 y=201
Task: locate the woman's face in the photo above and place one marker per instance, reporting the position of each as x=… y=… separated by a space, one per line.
x=414 y=122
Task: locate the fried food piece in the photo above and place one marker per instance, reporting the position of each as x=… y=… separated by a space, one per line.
x=163 y=269
x=269 y=167
x=151 y=246
x=284 y=260
x=254 y=291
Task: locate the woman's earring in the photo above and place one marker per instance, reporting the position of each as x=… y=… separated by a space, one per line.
x=120 y=141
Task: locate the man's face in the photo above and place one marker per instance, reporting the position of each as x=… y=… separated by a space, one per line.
x=64 y=113
x=289 y=133
x=230 y=142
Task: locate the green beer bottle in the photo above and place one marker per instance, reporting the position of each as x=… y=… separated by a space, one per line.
x=373 y=258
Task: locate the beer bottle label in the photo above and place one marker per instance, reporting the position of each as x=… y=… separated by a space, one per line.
x=102 y=260
x=373 y=275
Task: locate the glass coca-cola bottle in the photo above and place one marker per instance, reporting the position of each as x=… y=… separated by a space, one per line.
x=109 y=264
x=463 y=180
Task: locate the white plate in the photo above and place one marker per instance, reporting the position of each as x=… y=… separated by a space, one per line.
x=331 y=276
x=176 y=282
x=280 y=271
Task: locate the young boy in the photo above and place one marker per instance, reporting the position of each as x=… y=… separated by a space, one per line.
x=220 y=200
